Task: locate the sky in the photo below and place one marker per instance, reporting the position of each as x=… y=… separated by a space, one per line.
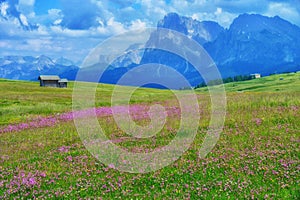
x=71 y=28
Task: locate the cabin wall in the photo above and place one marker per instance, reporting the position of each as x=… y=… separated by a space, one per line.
x=49 y=83
x=63 y=85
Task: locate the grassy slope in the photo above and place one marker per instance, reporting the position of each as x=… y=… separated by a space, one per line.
x=257 y=155
x=22 y=100
x=289 y=83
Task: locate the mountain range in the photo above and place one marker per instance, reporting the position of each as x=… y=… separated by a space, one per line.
x=29 y=67
x=252 y=44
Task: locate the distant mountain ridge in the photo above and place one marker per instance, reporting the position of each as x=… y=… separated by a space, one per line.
x=202 y=32
x=29 y=68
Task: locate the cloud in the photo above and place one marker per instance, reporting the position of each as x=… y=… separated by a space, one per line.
x=64 y=32
x=223 y=18
x=27 y=2
x=154 y=9
x=285 y=10
x=26 y=7
x=10 y=12
x=242 y=6
x=23 y=19
x=79 y=16
x=12 y=9
x=52 y=17
x=57 y=22
x=138 y=25
x=71 y=48
x=3 y=8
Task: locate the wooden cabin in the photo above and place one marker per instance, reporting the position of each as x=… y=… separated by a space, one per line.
x=52 y=81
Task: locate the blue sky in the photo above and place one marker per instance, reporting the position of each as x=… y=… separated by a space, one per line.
x=71 y=28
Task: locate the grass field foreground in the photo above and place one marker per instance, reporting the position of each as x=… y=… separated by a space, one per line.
x=256 y=157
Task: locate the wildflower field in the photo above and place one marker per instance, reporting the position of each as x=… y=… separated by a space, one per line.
x=256 y=157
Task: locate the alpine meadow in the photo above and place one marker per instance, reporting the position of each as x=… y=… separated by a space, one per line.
x=257 y=155
x=150 y=99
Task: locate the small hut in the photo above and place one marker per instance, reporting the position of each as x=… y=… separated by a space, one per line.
x=63 y=83
x=52 y=81
x=49 y=80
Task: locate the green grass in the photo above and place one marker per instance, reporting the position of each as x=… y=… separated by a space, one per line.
x=22 y=100
x=289 y=82
x=256 y=157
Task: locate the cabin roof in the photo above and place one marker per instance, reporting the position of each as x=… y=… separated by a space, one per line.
x=49 y=77
x=64 y=80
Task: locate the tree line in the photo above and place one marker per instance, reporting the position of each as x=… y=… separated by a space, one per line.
x=225 y=80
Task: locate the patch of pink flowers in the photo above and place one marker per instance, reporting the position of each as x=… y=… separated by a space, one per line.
x=136 y=111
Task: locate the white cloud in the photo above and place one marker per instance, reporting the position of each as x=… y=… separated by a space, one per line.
x=128 y=9
x=138 y=25
x=195 y=17
x=27 y=2
x=65 y=32
x=24 y=20
x=55 y=16
x=218 y=11
x=38 y=44
x=112 y=27
x=57 y=22
x=41 y=31
x=5 y=44
x=52 y=17
x=154 y=9
x=3 y=7
x=223 y=18
x=55 y=13
x=15 y=23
